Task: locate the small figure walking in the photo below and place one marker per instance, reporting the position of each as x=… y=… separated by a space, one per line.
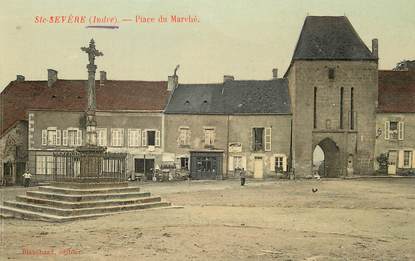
x=242 y=175
x=27 y=176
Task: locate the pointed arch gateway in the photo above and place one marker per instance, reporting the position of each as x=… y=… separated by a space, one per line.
x=330 y=166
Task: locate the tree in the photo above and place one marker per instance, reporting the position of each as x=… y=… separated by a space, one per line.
x=383 y=159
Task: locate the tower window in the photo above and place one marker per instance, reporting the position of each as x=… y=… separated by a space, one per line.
x=331 y=73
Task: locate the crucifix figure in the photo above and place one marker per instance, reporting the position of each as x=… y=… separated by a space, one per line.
x=91 y=51
x=91 y=107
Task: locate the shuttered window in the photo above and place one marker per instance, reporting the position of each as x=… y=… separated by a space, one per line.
x=101 y=136
x=134 y=137
x=117 y=137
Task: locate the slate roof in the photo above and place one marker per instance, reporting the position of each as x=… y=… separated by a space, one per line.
x=330 y=38
x=70 y=95
x=231 y=97
x=396 y=91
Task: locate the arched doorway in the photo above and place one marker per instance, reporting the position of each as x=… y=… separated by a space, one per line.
x=326 y=158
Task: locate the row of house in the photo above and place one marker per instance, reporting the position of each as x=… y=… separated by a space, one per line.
x=332 y=96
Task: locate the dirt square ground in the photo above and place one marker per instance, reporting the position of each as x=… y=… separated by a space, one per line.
x=372 y=219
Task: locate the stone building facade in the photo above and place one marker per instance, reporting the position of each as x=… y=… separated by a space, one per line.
x=215 y=129
x=395 y=121
x=333 y=86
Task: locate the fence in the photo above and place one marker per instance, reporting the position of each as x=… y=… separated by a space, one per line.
x=78 y=166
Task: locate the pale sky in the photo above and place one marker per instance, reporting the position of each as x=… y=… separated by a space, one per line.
x=241 y=38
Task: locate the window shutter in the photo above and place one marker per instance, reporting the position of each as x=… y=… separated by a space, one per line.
x=284 y=163
x=252 y=139
x=44 y=137
x=188 y=135
x=121 y=137
x=144 y=138
x=79 y=133
x=231 y=163
x=387 y=126
x=400 y=130
x=157 y=142
x=104 y=137
x=65 y=137
x=131 y=137
x=413 y=159
x=138 y=137
x=213 y=138
x=400 y=159
x=267 y=139
x=58 y=137
x=272 y=163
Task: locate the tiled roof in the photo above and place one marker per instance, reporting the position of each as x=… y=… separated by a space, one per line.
x=231 y=97
x=70 y=95
x=396 y=91
x=113 y=95
x=15 y=99
x=330 y=38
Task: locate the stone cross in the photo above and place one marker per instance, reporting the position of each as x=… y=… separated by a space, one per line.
x=92 y=52
x=91 y=108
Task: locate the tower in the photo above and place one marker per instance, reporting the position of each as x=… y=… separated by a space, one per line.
x=333 y=86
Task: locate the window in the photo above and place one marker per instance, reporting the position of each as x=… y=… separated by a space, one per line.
x=134 y=137
x=184 y=163
x=209 y=136
x=60 y=166
x=151 y=138
x=258 y=139
x=331 y=73
x=237 y=162
x=44 y=165
x=394 y=130
x=184 y=136
x=101 y=136
x=407 y=158
x=261 y=138
x=279 y=163
x=117 y=137
x=72 y=137
x=51 y=136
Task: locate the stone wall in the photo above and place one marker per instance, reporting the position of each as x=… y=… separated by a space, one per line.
x=362 y=76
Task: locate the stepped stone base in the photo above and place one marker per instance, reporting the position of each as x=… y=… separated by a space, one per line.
x=67 y=201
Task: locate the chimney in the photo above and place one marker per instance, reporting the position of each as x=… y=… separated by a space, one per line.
x=102 y=77
x=375 y=48
x=172 y=82
x=20 y=78
x=228 y=78
x=275 y=73
x=52 y=77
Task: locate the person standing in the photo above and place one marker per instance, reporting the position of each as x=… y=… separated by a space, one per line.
x=27 y=177
x=242 y=175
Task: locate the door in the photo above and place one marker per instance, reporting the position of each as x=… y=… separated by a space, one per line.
x=258 y=168
x=392 y=161
x=144 y=166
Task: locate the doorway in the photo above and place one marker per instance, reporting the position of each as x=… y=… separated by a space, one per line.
x=258 y=168
x=144 y=166
x=206 y=165
x=326 y=155
x=392 y=161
